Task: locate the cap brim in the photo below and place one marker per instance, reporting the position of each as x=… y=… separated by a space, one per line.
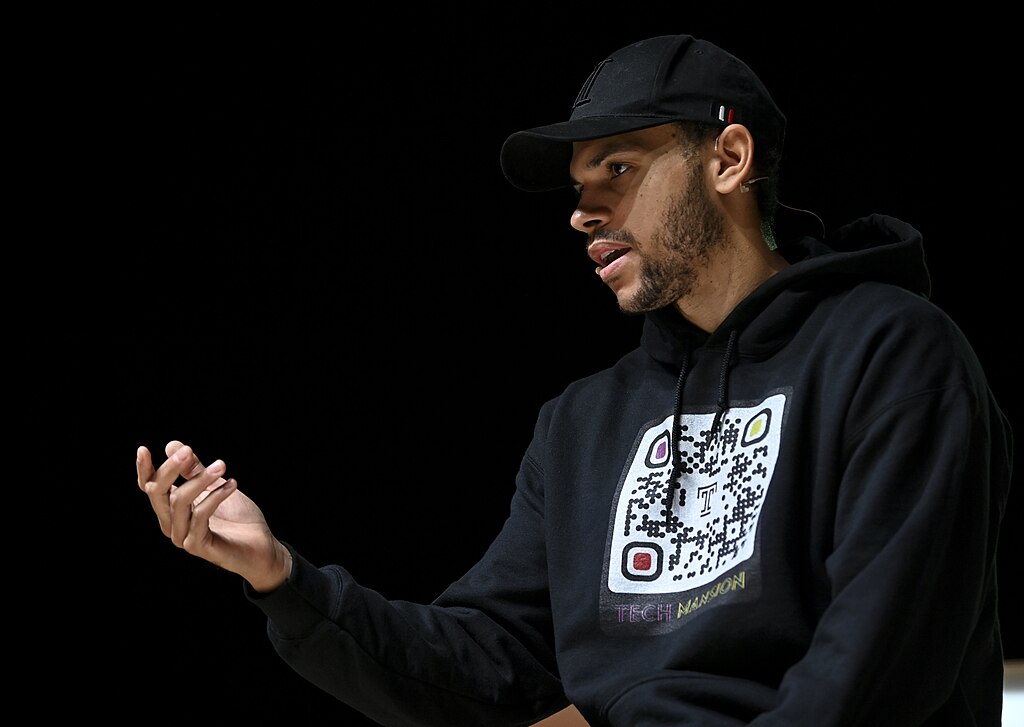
x=537 y=160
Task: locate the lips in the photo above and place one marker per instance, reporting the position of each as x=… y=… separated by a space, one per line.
x=604 y=253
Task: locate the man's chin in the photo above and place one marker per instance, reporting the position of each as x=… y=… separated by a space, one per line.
x=634 y=302
x=629 y=306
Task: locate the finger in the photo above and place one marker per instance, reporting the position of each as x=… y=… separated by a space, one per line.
x=143 y=467
x=183 y=459
x=200 y=479
x=192 y=464
x=146 y=476
x=199 y=540
x=181 y=498
x=159 y=484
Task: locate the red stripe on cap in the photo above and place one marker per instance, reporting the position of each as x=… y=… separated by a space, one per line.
x=731 y=113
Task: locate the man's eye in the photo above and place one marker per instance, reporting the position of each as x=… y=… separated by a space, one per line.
x=617 y=168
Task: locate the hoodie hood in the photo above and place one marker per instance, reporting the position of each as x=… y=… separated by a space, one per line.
x=876 y=247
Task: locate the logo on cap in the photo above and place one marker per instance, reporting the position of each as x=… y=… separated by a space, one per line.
x=583 y=97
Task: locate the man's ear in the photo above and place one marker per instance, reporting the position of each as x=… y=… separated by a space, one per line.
x=732 y=158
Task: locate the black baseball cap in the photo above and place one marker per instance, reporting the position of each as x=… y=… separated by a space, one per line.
x=651 y=82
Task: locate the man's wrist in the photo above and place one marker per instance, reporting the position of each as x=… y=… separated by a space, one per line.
x=280 y=573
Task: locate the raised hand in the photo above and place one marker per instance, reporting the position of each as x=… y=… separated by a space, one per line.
x=209 y=517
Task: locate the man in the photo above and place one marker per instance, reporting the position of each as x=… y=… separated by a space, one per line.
x=781 y=508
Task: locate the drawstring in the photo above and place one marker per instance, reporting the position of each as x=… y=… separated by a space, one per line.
x=677 y=430
x=723 y=386
x=677 y=426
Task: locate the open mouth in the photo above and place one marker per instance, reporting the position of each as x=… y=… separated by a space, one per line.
x=612 y=255
x=604 y=253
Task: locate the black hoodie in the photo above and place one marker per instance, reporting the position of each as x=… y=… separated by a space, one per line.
x=790 y=521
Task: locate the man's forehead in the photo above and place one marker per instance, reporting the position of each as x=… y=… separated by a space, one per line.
x=593 y=151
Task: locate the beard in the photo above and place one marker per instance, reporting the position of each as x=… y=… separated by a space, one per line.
x=692 y=228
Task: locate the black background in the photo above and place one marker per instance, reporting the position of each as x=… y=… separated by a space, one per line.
x=309 y=264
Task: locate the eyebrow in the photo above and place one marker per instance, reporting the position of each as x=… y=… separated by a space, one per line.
x=606 y=151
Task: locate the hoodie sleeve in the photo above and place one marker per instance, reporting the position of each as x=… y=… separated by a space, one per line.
x=910 y=635
x=480 y=654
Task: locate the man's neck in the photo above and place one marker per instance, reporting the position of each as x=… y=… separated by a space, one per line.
x=727 y=280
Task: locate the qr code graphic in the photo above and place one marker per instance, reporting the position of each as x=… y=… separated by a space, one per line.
x=668 y=537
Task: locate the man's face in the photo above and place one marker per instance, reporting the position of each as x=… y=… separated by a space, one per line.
x=650 y=223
